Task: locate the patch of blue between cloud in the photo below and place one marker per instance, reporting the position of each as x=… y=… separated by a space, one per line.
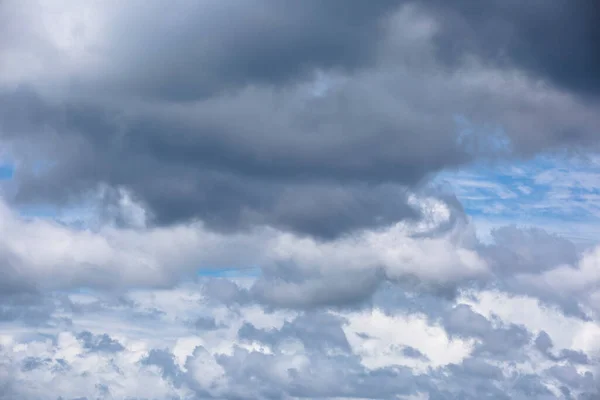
x=481 y=139
x=7 y=172
x=232 y=272
x=39 y=211
x=558 y=190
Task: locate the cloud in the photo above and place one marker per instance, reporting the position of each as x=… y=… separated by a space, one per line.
x=107 y=353
x=528 y=250
x=567 y=281
x=296 y=271
x=508 y=33
x=238 y=135
x=307 y=144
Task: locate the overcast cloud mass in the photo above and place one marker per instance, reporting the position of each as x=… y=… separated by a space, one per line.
x=282 y=199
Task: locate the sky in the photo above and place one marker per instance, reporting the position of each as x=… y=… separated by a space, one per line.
x=280 y=199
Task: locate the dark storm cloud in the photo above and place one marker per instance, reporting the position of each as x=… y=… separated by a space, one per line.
x=553 y=40
x=199 y=172
x=275 y=42
x=200 y=49
x=210 y=110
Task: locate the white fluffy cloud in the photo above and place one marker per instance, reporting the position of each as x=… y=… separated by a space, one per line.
x=53 y=256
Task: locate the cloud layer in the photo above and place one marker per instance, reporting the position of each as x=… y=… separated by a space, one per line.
x=330 y=154
x=490 y=344
x=274 y=118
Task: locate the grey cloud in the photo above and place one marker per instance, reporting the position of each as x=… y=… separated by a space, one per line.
x=212 y=173
x=476 y=378
x=472 y=379
x=318 y=332
x=31 y=363
x=203 y=172
x=329 y=377
x=567 y=374
x=517 y=250
x=502 y=342
x=482 y=369
x=164 y=360
x=14 y=282
x=30 y=309
x=411 y=352
x=257 y=146
x=287 y=285
x=575 y=357
x=462 y=320
x=227 y=45
x=99 y=342
x=510 y=33
x=544 y=344
x=393 y=297
x=530 y=385
x=206 y=324
x=514 y=251
x=225 y=291
x=532 y=251
x=505 y=342
x=281 y=291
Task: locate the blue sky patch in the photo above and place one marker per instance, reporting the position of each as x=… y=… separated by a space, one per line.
x=6 y=171
x=552 y=191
